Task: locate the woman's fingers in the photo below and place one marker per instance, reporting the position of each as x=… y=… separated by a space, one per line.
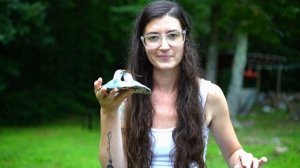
x=103 y=92
x=119 y=95
x=110 y=100
x=124 y=94
x=255 y=163
x=262 y=161
x=113 y=92
x=246 y=159
x=238 y=165
x=100 y=92
x=97 y=84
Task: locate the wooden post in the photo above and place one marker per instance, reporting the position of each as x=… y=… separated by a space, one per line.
x=278 y=82
x=258 y=79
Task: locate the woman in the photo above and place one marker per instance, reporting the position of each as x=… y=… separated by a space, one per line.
x=168 y=128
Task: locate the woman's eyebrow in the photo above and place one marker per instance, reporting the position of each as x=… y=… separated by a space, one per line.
x=174 y=30
x=156 y=33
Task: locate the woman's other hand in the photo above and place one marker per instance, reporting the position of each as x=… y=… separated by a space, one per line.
x=247 y=160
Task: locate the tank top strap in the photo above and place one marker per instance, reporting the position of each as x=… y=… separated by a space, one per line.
x=205 y=88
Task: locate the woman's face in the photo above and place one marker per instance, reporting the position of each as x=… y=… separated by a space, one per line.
x=166 y=53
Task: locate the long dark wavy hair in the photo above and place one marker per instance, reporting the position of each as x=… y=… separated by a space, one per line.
x=188 y=134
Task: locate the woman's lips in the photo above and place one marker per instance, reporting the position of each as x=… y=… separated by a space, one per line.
x=164 y=57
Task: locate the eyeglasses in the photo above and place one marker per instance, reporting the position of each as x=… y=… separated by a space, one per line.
x=174 y=38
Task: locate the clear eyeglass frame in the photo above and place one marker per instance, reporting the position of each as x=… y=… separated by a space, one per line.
x=174 y=38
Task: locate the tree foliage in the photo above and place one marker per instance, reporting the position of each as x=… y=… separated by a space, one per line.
x=52 y=51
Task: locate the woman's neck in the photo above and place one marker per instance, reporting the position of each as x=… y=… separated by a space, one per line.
x=165 y=80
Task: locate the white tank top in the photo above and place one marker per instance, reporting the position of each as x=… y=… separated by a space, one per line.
x=162 y=141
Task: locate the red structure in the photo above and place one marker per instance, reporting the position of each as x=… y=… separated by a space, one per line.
x=250 y=73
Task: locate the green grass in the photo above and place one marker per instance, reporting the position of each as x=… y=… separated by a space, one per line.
x=57 y=146
x=69 y=145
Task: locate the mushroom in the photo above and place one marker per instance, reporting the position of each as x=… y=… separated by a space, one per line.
x=123 y=80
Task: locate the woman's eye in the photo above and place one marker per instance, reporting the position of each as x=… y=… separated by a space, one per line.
x=173 y=36
x=153 y=38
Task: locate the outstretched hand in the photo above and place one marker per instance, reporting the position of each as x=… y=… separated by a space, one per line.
x=109 y=101
x=247 y=160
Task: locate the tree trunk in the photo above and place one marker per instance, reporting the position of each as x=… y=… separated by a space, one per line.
x=212 y=55
x=238 y=67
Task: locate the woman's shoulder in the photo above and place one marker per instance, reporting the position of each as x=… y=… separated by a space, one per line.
x=209 y=88
x=210 y=92
x=215 y=101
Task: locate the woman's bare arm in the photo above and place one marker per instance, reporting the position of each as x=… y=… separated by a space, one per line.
x=111 y=142
x=111 y=149
x=224 y=133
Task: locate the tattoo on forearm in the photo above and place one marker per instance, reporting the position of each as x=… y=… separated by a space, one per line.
x=109 y=165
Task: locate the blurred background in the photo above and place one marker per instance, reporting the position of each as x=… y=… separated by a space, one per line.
x=51 y=52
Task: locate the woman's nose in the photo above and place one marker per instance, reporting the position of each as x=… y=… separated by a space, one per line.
x=164 y=43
